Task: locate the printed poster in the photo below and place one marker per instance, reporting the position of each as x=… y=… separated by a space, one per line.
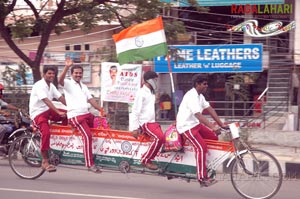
x=120 y=83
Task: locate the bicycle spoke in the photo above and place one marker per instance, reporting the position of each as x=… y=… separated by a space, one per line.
x=256 y=175
x=24 y=157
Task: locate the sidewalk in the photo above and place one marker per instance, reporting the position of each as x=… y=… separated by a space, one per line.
x=284 y=145
x=288 y=157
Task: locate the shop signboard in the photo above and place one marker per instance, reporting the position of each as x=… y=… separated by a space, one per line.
x=212 y=59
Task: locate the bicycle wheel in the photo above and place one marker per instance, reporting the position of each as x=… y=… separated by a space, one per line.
x=256 y=174
x=24 y=157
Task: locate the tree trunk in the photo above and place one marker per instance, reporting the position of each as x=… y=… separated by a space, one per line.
x=36 y=73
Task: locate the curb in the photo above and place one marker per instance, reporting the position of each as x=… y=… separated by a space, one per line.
x=290 y=167
x=288 y=158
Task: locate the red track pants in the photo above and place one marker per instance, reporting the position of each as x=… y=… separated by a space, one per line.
x=196 y=136
x=42 y=123
x=83 y=123
x=155 y=132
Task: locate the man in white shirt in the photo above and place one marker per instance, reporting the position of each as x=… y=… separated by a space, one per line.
x=41 y=110
x=195 y=127
x=78 y=98
x=143 y=117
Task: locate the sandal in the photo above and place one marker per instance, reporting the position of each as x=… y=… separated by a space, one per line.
x=49 y=167
x=95 y=169
x=206 y=182
x=150 y=166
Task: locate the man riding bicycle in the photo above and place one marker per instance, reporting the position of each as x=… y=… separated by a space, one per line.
x=5 y=128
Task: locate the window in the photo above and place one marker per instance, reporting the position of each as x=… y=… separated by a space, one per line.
x=87 y=47
x=67 y=47
x=77 y=47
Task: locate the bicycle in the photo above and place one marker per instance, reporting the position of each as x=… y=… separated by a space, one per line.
x=254 y=173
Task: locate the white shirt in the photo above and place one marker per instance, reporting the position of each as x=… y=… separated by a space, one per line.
x=143 y=109
x=191 y=103
x=77 y=96
x=40 y=91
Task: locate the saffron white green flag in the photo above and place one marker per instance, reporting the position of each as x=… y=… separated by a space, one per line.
x=141 y=41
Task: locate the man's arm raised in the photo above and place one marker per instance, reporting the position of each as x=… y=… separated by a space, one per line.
x=69 y=63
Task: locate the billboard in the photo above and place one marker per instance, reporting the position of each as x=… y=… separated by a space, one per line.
x=212 y=58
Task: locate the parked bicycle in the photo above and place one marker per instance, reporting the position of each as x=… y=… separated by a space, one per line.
x=254 y=173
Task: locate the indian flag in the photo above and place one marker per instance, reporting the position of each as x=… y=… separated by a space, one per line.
x=141 y=41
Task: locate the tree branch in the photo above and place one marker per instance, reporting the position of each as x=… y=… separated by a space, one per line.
x=56 y=17
x=35 y=12
x=6 y=36
x=11 y=7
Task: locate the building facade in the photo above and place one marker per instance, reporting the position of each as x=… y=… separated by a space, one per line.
x=280 y=55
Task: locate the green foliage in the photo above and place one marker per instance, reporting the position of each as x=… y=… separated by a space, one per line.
x=71 y=22
x=237 y=94
x=9 y=75
x=58 y=30
x=172 y=29
x=108 y=54
x=243 y=92
x=21 y=29
x=84 y=14
x=39 y=25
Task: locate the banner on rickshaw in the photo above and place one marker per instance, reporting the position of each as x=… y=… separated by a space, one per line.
x=120 y=83
x=113 y=146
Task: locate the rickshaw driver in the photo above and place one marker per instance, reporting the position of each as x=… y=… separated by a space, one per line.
x=195 y=127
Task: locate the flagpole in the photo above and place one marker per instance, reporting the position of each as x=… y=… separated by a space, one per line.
x=101 y=113
x=172 y=84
